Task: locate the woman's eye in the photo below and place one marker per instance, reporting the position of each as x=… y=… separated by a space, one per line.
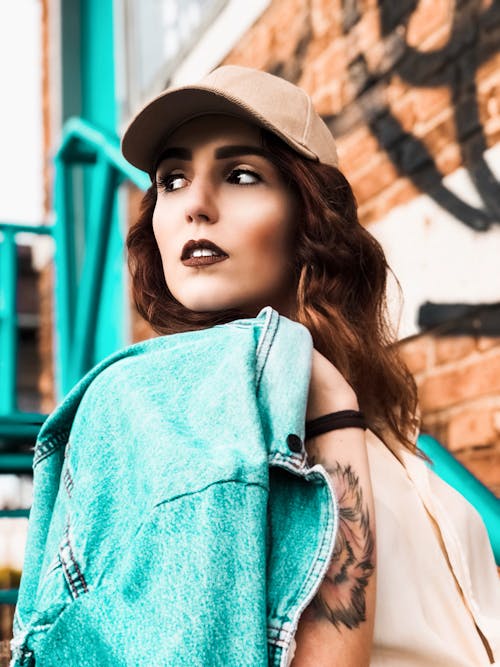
x=244 y=177
x=171 y=182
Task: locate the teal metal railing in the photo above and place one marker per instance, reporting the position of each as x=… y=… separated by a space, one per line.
x=78 y=288
x=452 y=471
x=78 y=294
x=8 y=310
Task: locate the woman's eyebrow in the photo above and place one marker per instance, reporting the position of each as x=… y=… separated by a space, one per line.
x=234 y=151
x=179 y=153
x=220 y=153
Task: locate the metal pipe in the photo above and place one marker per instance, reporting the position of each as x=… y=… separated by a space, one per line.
x=454 y=473
x=8 y=322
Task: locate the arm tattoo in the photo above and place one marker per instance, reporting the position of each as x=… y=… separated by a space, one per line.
x=341 y=598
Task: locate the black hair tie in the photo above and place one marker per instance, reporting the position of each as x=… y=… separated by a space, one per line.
x=334 y=421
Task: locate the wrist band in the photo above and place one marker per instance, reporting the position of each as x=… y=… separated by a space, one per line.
x=334 y=421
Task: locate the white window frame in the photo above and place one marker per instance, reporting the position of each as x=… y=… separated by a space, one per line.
x=210 y=48
x=221 y=37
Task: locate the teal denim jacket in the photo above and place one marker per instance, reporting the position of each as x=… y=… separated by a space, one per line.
x=175 y=518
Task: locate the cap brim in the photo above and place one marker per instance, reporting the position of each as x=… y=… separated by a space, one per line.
x=148 y=131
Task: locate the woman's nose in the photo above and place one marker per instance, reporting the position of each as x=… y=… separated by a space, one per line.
x=201 y=206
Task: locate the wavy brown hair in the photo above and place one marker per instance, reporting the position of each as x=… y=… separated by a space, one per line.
x=340 y=274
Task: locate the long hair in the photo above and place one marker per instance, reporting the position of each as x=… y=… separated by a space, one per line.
x=340 y=274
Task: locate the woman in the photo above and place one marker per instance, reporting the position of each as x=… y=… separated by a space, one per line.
x=178 y=517
x=247 y=208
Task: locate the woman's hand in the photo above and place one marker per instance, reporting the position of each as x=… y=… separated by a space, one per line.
x=337 y=626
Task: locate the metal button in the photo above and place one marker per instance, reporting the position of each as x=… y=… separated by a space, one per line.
x=294 y=442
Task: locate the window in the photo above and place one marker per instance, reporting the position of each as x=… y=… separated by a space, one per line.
x=170 y=42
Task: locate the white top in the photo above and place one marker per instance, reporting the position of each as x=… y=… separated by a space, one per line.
x=437 y=582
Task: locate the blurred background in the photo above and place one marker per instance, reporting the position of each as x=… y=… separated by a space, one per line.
x=411 y=91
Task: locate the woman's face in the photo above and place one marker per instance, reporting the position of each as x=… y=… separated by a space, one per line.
x=217 y=186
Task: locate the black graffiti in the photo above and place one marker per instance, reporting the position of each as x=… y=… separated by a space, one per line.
x=460 y=319
x=473 y=39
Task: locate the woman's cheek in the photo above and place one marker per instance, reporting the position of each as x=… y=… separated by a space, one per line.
x=165 y=241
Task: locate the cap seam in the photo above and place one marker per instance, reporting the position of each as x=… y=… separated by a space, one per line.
x=308 y=118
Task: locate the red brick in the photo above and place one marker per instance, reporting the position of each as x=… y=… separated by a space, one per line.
x=449 y=159
x=326 y=18
x=426 y=19
x=484 y=463
x=431 y=101
x=400 y=192
x=438 y=133
x=472 y=429
x=396 y=88
x=487 y=73
x=378 y=174
x=437 y=427
x=491 y=130
x=352 y=46
x=328 y=100
x=267 y=42
x=367 y=30
x=437 y=39
x=404 y=111
x=478 y=377
x=415 y=353
x=489 y=103
x=484 y=343
x=356 y=148
x=330 y=63
x=451 y=348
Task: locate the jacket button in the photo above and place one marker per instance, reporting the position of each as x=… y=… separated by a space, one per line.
x=294 y=443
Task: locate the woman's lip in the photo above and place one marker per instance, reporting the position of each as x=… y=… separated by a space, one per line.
x=194 y=244
x=203 y=261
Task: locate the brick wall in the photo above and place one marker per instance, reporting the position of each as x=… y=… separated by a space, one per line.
x=459 y=388
x=411 y=90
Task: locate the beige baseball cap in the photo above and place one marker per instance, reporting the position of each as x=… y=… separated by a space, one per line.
x=258 y=97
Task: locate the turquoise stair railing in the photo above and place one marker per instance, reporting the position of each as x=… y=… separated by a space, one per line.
x=456 y=475
x=8 y=310
x=77 y=299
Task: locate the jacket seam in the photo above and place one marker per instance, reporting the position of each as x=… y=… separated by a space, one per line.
x=207 y=486
x=73 y=572
x=45 y=448
x=270 y=329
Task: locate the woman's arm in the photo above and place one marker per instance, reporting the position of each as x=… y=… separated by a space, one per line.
x=337 y=627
